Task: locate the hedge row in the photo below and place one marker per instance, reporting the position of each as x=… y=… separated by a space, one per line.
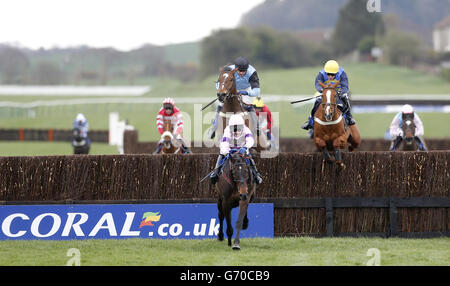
x=302 y=145
x=289 y=175
x=123 y=177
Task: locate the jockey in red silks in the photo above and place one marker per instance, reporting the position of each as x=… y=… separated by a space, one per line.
x=169 y=112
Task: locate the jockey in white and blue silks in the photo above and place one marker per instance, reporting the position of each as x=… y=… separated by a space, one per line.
x=329 y=74
x=81 y=123
x=236 y=138
x=247 y=85
x=396 y=131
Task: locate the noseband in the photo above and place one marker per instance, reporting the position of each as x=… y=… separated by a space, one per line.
x=223 y=96
x=329 y=105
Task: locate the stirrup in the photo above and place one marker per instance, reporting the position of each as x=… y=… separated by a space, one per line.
x=213 y=178
x=258 y=179
x=350 y=121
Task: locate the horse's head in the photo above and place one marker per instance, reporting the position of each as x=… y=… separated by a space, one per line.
x=226 y=83
x=167 y=138
x=240 y=173
x=329 y=99
x=408 y=127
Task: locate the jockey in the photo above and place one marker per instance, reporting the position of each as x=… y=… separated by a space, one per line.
x=330 y=73
x=264 y=116
x=396 y=132
x=169 y=112
x=81 y=123
x=247 y=85
x=235 y=136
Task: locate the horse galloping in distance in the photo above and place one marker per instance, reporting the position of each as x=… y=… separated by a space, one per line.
x=330 y=132
x=409 y=140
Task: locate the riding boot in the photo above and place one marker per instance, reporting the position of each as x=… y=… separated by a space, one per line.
x=158 y=149
x=253 y=120
x=420 y=143
x=258 y=177
x=347 y=112
x=214 y=177
x=310 y=123
x=396 y=143
x=212 y=130
x=183 y=147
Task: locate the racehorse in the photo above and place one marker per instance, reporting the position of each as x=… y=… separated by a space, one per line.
x=409 y=140
x=169 y=145
x=330 y=132
x=79 y=143
x=409 y=128
x=232 y=102
x=235 y=189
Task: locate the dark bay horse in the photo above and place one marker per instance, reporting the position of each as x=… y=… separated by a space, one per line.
x=409 y=140
x=236 y=189
x=409 y=129
x=79 y=143
x=330 y=132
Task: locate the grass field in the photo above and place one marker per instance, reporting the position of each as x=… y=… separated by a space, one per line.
x=365 y=79
x=254 y=252
x=30 y=148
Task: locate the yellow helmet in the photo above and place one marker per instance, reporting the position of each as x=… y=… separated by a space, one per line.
x=258 y=102
x=331 y=66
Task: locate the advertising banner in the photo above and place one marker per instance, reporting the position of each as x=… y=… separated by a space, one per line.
x=160 y=221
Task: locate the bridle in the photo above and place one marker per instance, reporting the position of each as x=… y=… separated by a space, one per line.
x=242 y=177
x=329 y=105
x=229 y=94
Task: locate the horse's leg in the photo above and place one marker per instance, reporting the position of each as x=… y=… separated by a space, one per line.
x=243 y=206
x=227 y=212
x=327 y=155
x=339 y=143
x=322 y=146
x=245 y=222
x=354 y=138
x=221 y=217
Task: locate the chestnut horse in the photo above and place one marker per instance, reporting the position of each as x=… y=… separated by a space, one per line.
x=228 y=94
x=169 y=145
x=236 y=189
x=330 y=132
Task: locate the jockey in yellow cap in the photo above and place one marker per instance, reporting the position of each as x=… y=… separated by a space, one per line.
x=264 y=117
x=332 y=72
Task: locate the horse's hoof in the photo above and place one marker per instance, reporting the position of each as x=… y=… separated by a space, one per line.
x=220 y=237
x=236 y=247
x=342 y=165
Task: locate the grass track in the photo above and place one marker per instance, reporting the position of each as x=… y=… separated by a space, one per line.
x=254 y=252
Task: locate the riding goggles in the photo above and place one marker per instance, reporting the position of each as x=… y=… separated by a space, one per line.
x=168 y=106
x=238 y=128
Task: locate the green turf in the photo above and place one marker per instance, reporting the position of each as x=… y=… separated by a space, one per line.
x=262 y=252
x=36 y=148
x=143 y=118
x=365 y=79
